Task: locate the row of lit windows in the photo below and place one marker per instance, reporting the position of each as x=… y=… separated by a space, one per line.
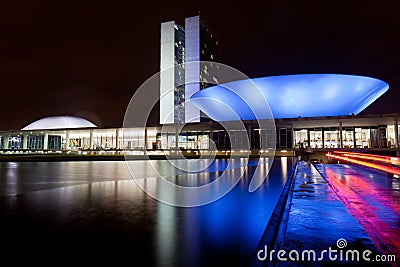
x=351 y=138
x=354 y=137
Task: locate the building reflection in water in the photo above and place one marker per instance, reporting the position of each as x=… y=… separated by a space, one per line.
x=97 y=207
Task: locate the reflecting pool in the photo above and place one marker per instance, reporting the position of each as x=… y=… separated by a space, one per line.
x=75 y=211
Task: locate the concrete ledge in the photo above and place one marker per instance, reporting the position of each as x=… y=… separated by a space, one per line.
x=274 y=232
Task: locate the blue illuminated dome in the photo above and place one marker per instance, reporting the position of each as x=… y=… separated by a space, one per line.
x=290 y=96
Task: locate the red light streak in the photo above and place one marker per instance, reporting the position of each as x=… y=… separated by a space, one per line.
x=389 y=161
x=386 y=159
x=386 y=238
x=376 y=156
x=367 y=164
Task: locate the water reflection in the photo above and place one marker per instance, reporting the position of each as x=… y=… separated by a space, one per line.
x=95 y=208
x=166 y=235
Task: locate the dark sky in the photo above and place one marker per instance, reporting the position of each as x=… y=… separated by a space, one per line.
x=86 y=58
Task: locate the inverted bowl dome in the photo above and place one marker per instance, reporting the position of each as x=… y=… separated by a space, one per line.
x=59 y=122
x=289 y=96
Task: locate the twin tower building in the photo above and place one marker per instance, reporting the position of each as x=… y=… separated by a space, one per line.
x=182 y=74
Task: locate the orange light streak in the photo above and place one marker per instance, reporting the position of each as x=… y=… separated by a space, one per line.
x=367 y=164
x=370 y=157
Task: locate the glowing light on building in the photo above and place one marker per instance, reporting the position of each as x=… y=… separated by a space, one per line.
x=59 y=122
x=290 y=96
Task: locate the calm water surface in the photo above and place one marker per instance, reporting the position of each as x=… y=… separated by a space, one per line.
x=75 y=211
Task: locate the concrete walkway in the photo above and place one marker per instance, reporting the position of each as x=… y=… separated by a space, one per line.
x=317 y=219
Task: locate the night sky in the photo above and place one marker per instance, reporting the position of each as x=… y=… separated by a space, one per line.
x=86 y=58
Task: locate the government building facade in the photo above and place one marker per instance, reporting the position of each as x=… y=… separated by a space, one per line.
x=320 y=111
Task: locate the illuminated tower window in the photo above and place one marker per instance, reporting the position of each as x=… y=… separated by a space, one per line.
x=177 y=83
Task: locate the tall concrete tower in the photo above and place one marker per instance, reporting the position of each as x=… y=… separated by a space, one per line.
x=179 y=82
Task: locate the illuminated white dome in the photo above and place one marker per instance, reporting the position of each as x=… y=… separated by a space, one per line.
x=59 y=122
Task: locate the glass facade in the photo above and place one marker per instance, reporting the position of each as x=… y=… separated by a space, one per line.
x=348 y=138
x=35 y=142
x=208 y=52
x=362 y=137
x=315 y=140
x=201 y=45
x=391 y=134
x=54 y=142
x=205 y=138
x=172 y=76
x=168 y=140
x=15 y=142
x=331 y=138
x=185 y=140
x=221 y=140
x=374 y=137
x=78 y=140
x=301 y=137
x=285 y=138
x=104 y=139
x=267 y=138
x=179 y=86
x=239 y=139
x=352 y=137
x=133 y=139
x=153 y=142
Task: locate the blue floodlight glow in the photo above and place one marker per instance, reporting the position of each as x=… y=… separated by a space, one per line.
x=290 y=96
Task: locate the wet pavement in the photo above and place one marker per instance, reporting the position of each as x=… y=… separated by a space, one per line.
x=328 y=212
x=372 y=197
